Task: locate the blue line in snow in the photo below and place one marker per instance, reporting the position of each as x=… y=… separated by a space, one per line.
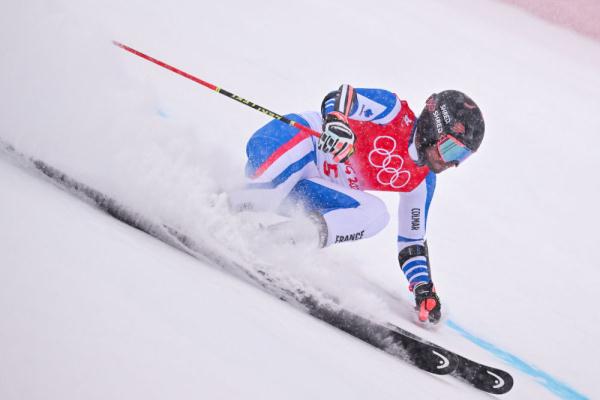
x=560 y=389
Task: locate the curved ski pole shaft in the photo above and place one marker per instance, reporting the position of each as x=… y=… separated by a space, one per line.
x=218 y=89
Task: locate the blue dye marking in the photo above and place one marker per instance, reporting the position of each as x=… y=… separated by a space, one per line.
x=162 y=113
x=555 y=386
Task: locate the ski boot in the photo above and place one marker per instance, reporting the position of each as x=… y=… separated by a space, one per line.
x=428 y=304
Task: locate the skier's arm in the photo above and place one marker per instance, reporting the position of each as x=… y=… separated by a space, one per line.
x=413 y=211
x=376 y=105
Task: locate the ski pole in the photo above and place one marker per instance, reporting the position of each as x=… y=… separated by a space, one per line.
x=218 y=90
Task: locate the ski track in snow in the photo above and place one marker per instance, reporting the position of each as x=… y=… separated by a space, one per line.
x=502 y=233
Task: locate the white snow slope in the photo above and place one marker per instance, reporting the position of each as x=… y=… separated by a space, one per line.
x=91 y=308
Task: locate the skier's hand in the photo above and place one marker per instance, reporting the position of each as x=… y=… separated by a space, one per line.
x=337 y=137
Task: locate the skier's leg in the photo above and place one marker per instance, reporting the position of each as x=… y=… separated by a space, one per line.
x=344 y=214
x=279 y=156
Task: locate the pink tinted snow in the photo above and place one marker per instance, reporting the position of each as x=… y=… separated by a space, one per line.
x=582 y=16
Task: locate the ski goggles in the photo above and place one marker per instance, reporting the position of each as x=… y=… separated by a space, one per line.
x=451 y=150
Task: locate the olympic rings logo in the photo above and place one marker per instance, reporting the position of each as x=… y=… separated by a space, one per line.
x=390 y=165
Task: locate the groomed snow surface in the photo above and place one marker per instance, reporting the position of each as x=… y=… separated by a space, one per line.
x=91 y=308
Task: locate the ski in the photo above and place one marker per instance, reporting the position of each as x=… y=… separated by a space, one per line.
x=391 y=339
x=480 y=376
x=483 y=377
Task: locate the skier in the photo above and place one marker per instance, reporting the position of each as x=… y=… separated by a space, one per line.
x=370 y=140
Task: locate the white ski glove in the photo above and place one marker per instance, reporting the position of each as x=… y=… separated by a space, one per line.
x=337 y=137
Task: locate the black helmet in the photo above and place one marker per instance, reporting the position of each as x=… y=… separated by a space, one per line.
x=449 y=112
